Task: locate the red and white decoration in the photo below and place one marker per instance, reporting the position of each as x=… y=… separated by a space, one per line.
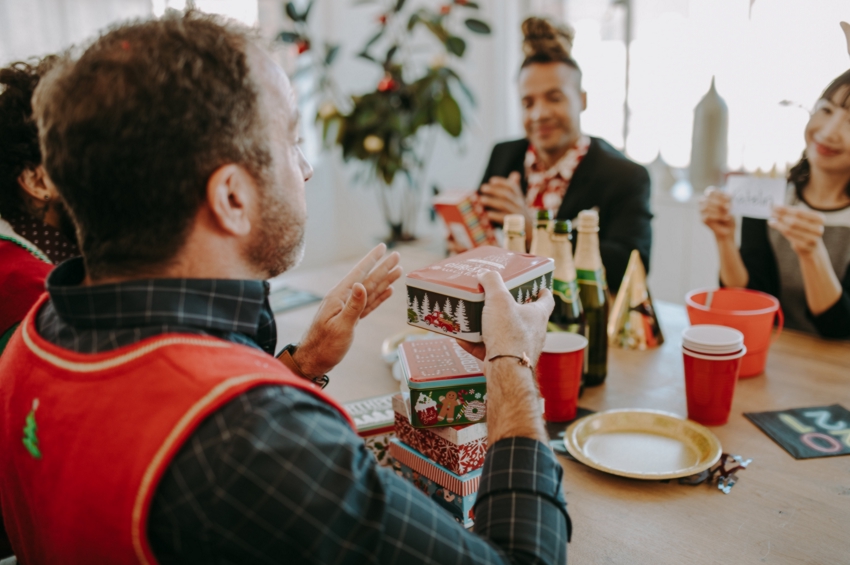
x=459 y=449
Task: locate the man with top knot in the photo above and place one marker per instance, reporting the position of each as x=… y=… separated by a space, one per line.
x=558 y=168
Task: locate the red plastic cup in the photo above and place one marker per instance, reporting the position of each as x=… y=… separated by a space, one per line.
x=559 y=375
x=712 y=357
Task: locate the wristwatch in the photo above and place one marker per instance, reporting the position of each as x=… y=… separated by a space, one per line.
x=286 y=357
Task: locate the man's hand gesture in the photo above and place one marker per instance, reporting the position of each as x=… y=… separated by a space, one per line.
x=330 y=335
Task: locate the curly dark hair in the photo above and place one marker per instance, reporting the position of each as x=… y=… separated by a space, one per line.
x=132 y=130
x=800 y=173
x=19 y=149
x=546 y=42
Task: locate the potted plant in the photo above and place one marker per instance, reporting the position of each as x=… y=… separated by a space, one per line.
x=393 y=128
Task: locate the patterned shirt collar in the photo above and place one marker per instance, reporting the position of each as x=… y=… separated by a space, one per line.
x=47 y=239
x=547 y=186
x=214 y=306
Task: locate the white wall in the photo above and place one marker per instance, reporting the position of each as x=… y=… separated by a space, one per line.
x=34 y=28
x=684 y=254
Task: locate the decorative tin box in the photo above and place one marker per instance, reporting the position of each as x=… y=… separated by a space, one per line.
x=465 y=218
x=453 y=492
x=460 y=449
x=446 y=297
x=374 y=418
x=447 y=384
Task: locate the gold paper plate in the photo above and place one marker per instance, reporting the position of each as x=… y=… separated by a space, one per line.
x=642 y=444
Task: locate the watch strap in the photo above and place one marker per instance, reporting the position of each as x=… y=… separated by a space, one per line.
x=289 y=362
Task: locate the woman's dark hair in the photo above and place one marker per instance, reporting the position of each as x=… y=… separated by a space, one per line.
x=19 y=138
x=800 y=173
x=545 y=42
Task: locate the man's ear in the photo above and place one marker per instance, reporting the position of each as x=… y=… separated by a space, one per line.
x=230 y=196
x=583 y=100
x=36 y=184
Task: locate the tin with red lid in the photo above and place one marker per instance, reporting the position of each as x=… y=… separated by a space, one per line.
x=446 y=297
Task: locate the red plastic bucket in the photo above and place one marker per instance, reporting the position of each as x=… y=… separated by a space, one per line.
x=748 y=311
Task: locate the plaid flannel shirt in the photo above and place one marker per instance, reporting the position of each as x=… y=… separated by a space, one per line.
x=276 y=475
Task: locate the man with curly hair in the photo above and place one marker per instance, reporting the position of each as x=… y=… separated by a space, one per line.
x=35 y=230
x=144 y=418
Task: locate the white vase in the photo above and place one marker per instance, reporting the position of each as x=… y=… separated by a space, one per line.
x=709 y=145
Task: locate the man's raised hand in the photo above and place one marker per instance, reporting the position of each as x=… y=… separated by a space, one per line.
x=362 y=290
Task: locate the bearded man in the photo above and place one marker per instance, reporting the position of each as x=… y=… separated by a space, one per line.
x=144 y=419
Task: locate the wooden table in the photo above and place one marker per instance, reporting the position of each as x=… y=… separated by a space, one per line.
x=782 y=511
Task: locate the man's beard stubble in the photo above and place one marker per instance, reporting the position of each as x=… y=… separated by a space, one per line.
x=278 y=244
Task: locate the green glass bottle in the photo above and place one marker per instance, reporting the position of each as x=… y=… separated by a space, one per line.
x=593 y=291
x=568 y=315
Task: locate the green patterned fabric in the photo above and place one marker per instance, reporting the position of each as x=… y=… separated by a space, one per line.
x=4 y=339
x=31 y=248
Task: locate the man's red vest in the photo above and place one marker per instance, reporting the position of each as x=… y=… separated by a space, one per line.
x=85 y=438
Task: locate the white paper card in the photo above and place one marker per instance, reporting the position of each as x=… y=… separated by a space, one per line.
x=754 y=197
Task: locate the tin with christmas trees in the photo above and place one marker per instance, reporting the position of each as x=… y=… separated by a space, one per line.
x=446 y=297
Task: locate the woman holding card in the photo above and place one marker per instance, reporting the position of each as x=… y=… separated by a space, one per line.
x=801 y=254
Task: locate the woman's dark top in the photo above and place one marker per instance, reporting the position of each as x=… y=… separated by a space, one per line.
x=773 y=268
x=605 y=179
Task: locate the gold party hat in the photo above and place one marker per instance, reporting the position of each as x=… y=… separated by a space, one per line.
x=633 y=323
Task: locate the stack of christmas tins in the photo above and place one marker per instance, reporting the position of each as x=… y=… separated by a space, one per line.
x=441 y=436
x=374 y=420
x=456 y=493
x=460 y=449
x=446 y=297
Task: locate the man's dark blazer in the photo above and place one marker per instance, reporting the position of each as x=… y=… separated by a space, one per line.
x=607 y=180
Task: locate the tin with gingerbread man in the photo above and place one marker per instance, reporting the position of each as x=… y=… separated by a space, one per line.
x=447 y=384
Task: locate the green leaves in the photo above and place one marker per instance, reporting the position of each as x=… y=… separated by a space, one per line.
x=477 y=26
x=293 y=14
x=455 y=45
x=436 y=28
x=414 y=19
x=373 y=39
x=383 y=127
x=307 y=11
x=461 y=84
x=448 y=114
x=332 y=52
x=390 y=54
x=288 y=36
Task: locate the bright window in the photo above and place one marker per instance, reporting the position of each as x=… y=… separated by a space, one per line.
x=760 y=55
